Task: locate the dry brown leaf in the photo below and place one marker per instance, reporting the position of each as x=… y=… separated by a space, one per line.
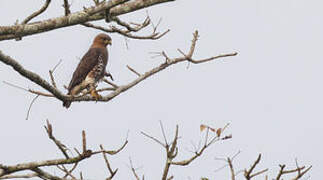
x=218 y=132
x=202 y=127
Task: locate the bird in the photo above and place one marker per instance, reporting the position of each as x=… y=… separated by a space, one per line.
x=91 y=68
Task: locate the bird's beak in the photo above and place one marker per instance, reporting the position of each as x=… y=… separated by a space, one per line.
x=108 y=42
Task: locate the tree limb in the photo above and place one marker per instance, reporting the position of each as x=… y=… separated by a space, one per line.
x=120 y=89
x=25 y=176
x=117 y=7
x=112 y=172
x=60 y=145
x=172 y=150
x=44 y=175
x=6 y=172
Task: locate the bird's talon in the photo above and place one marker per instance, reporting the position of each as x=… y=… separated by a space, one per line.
x=95 y=94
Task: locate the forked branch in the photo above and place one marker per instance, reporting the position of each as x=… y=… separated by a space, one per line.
x=172 y=149
x=128 y=29
x=116 y=7
x=118 y=89
x=7 y=172
x=250 y=173
x=35 y=14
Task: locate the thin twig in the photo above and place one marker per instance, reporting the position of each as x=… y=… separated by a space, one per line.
x=15 y=86
x=200 y=152
x=247 y=173
x=151 y=137
x=51 y=73
x=33 y=15
x=112 y=172
x=32 y=102
x=258 y=173
x=231 y=169
x=66 y=8
x=61 y=146
x=84 y=141
x=66 y=171
x=110 y=83
x=127 y=33
x=69 y=172
x=133 y=170
x=113 y=152
x=134 y=71
x=163 y=132
x=44 y=175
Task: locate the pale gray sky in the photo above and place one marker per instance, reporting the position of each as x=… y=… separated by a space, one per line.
x=271 y=93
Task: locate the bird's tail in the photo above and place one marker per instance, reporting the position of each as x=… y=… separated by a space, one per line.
x=67 y=104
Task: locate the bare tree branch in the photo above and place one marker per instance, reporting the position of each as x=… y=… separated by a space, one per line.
x=233 y=175
x=44 y=175
x=32 y=165
x=172 y=150
x=113 y=152
x=300 y=171
x=133 y=170
x=163 y=132
x=171 y=154
x=110 y=83
x=6 y=172
x=51 y=72
x=134 y=71
x=117 y=7
x=24 y=176
x=119 y=89
x=258 y=173
x=151 y=137
x=68 y=172
x=84 y=142
x=33 y=15
x=31 y=104
x=212 y=135
x=200 y=152
x=31 y=76
x=66 y=6
x=61 y=146
x=112 y=172
x=247 y=173
x=29 y=90
x=129 y=29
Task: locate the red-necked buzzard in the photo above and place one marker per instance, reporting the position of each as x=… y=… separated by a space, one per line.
x=91 y=68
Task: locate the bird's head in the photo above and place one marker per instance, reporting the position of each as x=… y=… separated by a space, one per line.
x=102 y=40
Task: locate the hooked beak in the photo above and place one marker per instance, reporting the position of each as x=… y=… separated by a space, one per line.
x=108 y=42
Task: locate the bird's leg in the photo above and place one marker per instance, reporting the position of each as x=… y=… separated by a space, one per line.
x=94 y=93
x=108 y=74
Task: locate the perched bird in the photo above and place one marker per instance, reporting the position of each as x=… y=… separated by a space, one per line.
x=91 y=68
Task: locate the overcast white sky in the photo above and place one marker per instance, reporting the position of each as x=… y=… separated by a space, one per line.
x=271 y=93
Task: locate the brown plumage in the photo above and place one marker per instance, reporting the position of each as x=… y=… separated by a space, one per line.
x=91 y=68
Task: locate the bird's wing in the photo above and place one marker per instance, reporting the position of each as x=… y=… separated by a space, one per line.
x=87 y=63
